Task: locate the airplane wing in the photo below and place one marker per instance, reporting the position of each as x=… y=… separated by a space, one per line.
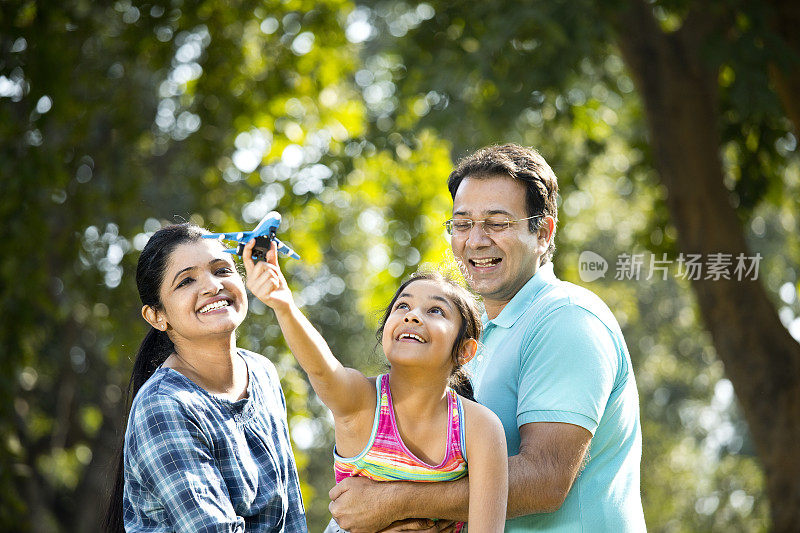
x=241 y=236
x=285 y=250
x=262 y=233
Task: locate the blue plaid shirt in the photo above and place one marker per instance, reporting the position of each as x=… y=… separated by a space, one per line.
x=198 y=463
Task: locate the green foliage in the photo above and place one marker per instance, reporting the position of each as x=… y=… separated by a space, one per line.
x=118 y=117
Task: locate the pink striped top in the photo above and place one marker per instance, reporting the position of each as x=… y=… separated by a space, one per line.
x=386 y=458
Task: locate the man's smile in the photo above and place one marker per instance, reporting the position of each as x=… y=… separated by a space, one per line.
x=484 y=262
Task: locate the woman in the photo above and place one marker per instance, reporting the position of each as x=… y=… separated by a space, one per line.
x=207 y=446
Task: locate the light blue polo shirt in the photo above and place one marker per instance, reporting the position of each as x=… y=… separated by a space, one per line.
x=555 y=353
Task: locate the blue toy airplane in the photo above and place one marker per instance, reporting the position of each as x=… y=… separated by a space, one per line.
x=263 y=233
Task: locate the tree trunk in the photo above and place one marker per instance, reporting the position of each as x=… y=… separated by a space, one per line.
x=93 y=492
x=784 y=19
x=761 y=359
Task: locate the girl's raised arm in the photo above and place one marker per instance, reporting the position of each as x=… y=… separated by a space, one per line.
x=345 y=391
x=487 y=461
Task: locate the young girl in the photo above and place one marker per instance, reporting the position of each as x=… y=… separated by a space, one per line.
x=207 y=446
x=407 y=424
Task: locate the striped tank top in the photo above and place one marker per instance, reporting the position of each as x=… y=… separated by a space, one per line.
x=386 y=458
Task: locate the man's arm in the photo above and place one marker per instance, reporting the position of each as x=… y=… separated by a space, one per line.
x=360 y=505
x=550 y=457
x=540 y=476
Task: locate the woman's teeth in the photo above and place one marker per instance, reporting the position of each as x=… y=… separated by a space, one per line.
x=216 y=305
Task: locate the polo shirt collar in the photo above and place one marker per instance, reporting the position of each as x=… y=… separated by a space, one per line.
x=521 y=301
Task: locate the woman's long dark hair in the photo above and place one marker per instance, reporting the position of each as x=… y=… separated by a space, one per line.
x=155 y=347
x=471 y=325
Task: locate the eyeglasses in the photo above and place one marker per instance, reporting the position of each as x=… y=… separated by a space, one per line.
x=461 y=226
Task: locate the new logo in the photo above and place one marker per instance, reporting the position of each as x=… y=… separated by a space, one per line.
x=591 y=266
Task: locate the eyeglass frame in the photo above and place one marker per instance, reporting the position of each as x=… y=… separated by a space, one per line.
x=448 y=224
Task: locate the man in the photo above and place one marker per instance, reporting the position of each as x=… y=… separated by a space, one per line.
x=554 y=368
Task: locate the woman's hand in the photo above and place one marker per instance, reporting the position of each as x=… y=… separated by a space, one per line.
x=265 y=279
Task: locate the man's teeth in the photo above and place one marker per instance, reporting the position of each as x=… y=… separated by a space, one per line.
x=216 y=305
x=411 y=336
x=486 y=262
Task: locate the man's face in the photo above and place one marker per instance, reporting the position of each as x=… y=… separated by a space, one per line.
x=496 y=265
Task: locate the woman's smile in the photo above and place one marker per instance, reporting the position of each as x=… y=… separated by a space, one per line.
x=218 y=305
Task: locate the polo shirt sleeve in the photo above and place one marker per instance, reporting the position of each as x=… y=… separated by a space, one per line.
x=568 y=369
x=172 y=458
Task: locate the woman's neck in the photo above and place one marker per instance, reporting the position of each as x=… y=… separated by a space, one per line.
x=213 y=364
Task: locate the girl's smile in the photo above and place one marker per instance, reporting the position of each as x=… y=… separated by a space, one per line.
x=410 y=337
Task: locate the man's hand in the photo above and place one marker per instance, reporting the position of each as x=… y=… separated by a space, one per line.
x=421 y=525
x=361 y=505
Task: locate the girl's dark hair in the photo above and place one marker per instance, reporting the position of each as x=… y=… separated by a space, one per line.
x=155 y=347
x=471 y=326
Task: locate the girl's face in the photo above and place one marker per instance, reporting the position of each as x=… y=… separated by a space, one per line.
x=202 y=293
x=422 y=327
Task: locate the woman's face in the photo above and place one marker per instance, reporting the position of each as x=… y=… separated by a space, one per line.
x=202 y=293
x=422 y=327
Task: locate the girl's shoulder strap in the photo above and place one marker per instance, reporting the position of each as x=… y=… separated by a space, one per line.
x=384 y=410
x=458 y=426
x=382 y=389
